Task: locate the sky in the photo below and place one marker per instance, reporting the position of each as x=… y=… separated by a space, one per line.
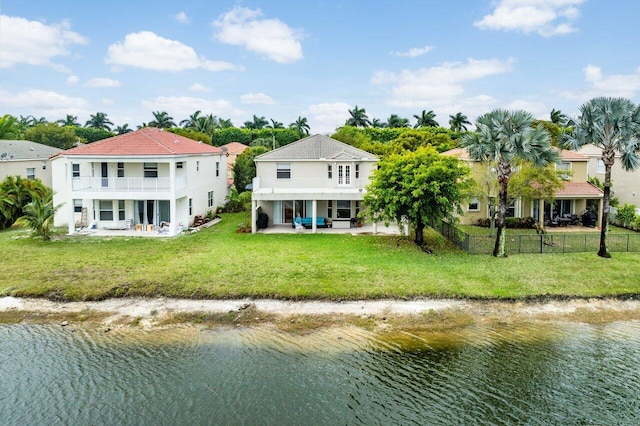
x=283 y=59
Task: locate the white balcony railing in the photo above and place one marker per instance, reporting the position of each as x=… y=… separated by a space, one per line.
x=302 y=183
x=130 y=184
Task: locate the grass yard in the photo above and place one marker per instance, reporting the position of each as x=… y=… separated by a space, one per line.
x=219 y=263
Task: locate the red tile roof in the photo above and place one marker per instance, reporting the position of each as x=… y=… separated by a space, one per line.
x=146 y=141
x=577 y=189
x=236 y=148
x=460 y=153
x=567 y=155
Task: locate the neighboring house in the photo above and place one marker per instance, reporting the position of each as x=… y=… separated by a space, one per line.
x=233 y=149
x=625 y=185
x=26 y=159
x=575 y=197
x=138 y=179
x=317 y=178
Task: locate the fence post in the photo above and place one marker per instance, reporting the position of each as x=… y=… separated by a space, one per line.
x=585 y=243
x=628 y=235
x=564 y=242
x=541 y=243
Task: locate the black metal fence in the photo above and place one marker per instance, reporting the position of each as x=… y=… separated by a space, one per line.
x=542 y=243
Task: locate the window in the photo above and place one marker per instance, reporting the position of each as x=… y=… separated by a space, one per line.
x=151 y=170
x=344 y=174
x=106 y=210
x=357 y=171
x=77 y=206
x=283 y=171
x=474 y=205
x=120 y=209
x=75 y=170
x=217 y=168
x=564 y=169
x=120 y=170
x=357 y=208
x=190 y=206
x=344 y=209
x=31 y=173
x=210 y=199
x=179 y=165
x=601 y=168
x=329 y=171
x=197 y=166
x=511 y=210
x=330 y=209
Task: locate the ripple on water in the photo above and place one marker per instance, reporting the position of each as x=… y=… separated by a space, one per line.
x=511 y=374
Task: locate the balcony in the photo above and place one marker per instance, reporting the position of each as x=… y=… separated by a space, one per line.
x=131 y=184
x=311 y=183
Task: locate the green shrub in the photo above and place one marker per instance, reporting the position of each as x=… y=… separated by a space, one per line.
x=626 y=215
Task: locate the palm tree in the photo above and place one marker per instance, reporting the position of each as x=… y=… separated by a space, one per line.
x=425 y=119
x=39 y=213
x=394 y=121
x=162 y=120
x=257 y=123
x=69 y=120
x=613 y=125
x=358 y=118
x=9 y=127
x=190 y=122
x=502 y=137
x=557 y=117
x=225 y=123
x=99 y=121
x=458 y=122
x=123 y=129
x=301 y=126
x=275 y=124
x=376 y=123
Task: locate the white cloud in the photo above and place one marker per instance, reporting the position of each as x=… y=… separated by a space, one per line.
x=545 y=17
x=182 y=17
x=102 y=82
x=538 y=109
x=413 y=52
x=148 y=50
x=437 y=85
x=107 y=101
x=617 y=85
x=49 y=104
x=257 y=98
x=180 y=107
x=197 y=87
x=269 y=37
x=72 y=80
x=35 y=43
x=326 y=117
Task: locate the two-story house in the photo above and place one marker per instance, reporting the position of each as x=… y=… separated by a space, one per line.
x=576 y=195
x=315 y=177
x=26 y=159
x=138 y=180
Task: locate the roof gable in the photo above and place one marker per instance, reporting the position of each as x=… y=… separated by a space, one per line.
x=147 y=141
x=317 y=147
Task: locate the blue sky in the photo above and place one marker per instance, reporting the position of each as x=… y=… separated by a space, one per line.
x=316 y=59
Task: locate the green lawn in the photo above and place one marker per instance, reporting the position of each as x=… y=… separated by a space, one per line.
x=219 y=263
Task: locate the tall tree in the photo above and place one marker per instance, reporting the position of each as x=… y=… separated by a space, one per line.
x=458 y=122
x=275 y=124
x=378 y=124
x=225 y=123
x=503 y=137
x=244 y=169
x=162 y=120
x=53 y=135
x=191 y=121
x=557 y=117
x=417 y=186
x=9 y=127
x=99 y=120
x=394 y=121
x=69 y=120
x=425 y=119
x=123 y=129
x=301 y=126
x=359 y=118
x=613 y=125
x=256 y=123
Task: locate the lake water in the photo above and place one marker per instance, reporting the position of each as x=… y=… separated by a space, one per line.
x=520 y=374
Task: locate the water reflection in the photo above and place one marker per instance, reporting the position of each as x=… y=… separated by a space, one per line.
x=533 y=374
